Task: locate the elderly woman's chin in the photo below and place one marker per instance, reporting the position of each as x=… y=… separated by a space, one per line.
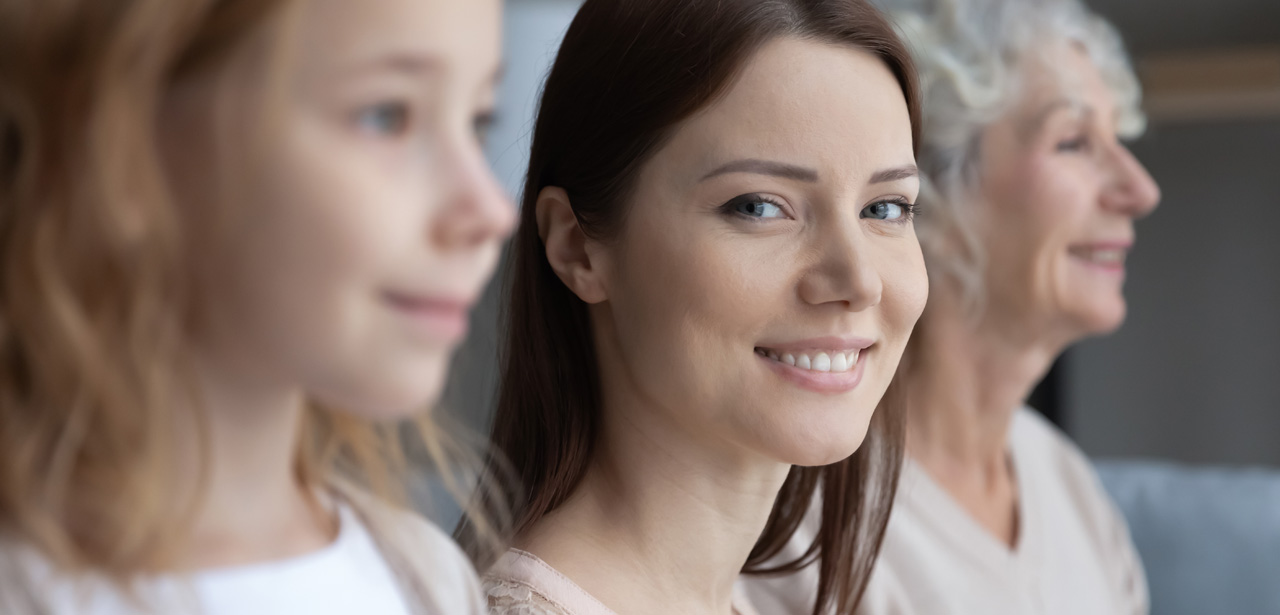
x=1093 y=311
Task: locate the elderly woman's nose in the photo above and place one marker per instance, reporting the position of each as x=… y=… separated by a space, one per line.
x=1131 y=189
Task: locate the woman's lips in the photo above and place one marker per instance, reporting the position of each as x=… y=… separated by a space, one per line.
x=835 y=367
x=446 y=319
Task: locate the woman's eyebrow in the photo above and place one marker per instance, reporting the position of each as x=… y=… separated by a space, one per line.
x=765 y=167
x=896 y=173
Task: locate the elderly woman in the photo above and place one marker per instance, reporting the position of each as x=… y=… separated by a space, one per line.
x=1028 y=213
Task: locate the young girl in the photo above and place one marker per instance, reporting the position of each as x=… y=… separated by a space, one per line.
x=715 y=275
x=238 y=242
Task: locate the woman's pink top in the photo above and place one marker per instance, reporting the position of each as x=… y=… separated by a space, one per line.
x=522 y=584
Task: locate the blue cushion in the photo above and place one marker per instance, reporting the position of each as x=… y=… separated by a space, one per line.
x=1209 y=537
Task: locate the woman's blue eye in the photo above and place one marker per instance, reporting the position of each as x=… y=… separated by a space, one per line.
x=754 y=206
x=384 y=119
x=886 y=210
x=760 y=209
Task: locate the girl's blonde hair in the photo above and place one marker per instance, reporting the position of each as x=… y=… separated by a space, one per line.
x=93 y=301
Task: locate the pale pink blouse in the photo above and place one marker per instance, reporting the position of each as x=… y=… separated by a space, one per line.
x=522 y=584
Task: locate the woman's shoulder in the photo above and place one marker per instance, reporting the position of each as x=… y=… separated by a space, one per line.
x=520 y=583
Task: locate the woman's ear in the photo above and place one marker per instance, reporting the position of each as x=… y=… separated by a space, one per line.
x=567 y=245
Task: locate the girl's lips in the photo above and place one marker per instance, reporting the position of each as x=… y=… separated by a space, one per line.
x=447 y=319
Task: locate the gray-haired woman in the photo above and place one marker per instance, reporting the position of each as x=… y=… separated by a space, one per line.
x=1028 y=214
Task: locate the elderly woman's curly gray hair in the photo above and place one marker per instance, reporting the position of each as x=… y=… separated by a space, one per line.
x=973 y=56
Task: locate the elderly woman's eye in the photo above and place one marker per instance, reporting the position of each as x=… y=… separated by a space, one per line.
x=754 y=206
x=892 y=211
x=1075 y=144
x=387 y=119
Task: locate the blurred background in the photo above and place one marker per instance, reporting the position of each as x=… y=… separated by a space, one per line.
x=1181 y=407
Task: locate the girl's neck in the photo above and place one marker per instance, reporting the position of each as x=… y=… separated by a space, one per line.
x=251 y=506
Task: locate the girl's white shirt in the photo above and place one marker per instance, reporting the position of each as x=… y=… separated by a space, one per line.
x=350 y=575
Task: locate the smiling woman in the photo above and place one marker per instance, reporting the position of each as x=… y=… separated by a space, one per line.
x=714 y=277
x=240 y=240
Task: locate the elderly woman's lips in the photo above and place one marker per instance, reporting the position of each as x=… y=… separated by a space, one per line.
x=1105 y=256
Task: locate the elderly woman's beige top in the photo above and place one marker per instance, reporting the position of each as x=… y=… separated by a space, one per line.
x=522 y=584
x=1074 y=555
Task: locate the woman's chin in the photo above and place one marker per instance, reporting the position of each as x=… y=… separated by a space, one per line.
x=822 y=447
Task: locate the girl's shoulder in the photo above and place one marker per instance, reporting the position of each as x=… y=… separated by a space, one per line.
x=432 y=567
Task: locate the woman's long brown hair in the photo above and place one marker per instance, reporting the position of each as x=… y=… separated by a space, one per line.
x=626 y=74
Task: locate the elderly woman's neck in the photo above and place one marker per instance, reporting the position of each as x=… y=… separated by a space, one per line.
x=965 y=384
x=967 y=381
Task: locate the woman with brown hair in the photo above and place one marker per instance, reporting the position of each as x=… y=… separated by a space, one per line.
x=238 y=242
x=714 y=277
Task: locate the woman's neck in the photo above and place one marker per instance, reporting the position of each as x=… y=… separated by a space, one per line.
x=659 y=523
x=251 y=507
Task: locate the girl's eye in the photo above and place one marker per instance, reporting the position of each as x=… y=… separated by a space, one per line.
x=1073 y=145
x=389 y=119
x=482 y=124
x=888 y=210
x=754 y=206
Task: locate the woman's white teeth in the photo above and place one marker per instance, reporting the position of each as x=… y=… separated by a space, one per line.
x=818 y=362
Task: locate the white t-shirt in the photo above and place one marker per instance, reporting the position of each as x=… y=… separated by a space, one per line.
x=349 y=576
x=1073 y=557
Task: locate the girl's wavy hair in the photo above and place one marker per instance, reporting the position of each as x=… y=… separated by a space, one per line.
x=627 y=73
x=93 y=302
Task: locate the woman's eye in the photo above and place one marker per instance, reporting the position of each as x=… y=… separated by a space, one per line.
x=887 y=210
x=384 y=119
x=758 y=208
